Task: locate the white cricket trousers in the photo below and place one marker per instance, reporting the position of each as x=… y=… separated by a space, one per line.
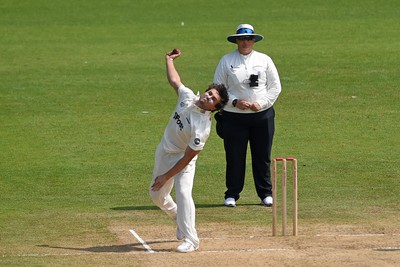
x=183 y=211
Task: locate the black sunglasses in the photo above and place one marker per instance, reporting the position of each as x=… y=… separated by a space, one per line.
x=247 y=38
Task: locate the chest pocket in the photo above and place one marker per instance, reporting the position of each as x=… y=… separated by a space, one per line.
x=237 y=75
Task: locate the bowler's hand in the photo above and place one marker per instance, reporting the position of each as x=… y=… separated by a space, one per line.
x=173 y=54
x=158 y=183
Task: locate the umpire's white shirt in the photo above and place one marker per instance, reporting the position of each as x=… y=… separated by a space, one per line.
x=188 y=126
x=234 y=70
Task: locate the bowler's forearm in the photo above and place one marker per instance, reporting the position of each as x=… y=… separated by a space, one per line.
x=172 y=74
x=182 y=163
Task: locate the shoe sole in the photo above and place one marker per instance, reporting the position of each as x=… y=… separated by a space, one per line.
x=187 y=251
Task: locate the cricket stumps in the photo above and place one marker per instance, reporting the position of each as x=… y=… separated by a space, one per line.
x=284 y=195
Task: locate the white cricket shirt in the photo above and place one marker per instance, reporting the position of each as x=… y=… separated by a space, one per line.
x=189 y=125
x=234 y=70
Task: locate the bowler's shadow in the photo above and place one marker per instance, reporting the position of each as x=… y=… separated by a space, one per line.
x=134 y=247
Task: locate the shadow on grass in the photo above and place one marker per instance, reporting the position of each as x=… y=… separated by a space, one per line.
x=136 y=208
x=135 y=247
x=198 y=206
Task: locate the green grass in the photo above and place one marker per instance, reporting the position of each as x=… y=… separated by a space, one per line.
x=77 y=147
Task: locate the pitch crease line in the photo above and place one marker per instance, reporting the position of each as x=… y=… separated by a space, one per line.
x=351 y=235
x=141 y=241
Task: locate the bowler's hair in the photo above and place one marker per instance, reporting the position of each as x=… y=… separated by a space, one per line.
x=223 y=93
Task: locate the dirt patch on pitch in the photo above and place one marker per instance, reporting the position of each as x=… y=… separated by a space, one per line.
x=223 y=245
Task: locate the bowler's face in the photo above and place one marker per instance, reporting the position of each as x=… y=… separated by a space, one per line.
x=210 y=99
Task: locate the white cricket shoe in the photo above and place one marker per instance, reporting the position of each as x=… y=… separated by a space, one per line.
x=267 y=201
x=179 y=234
x=186 y=247
x=230 y=202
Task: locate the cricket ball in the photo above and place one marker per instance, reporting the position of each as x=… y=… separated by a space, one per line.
x=175 y=51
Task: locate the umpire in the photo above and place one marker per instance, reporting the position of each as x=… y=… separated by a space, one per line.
x=253 y=86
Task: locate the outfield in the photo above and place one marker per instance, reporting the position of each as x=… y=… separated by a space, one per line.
x=84 y=100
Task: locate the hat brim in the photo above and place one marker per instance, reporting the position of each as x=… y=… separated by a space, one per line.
x=232 y=38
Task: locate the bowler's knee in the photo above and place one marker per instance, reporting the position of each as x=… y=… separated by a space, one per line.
x=156 y=197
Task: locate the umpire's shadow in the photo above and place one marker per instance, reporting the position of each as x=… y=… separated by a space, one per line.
x=198 y=206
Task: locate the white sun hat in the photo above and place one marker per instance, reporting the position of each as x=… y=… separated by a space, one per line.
x=244 y=30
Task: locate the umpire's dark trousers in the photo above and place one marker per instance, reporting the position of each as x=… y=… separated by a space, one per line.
x=239 y=130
